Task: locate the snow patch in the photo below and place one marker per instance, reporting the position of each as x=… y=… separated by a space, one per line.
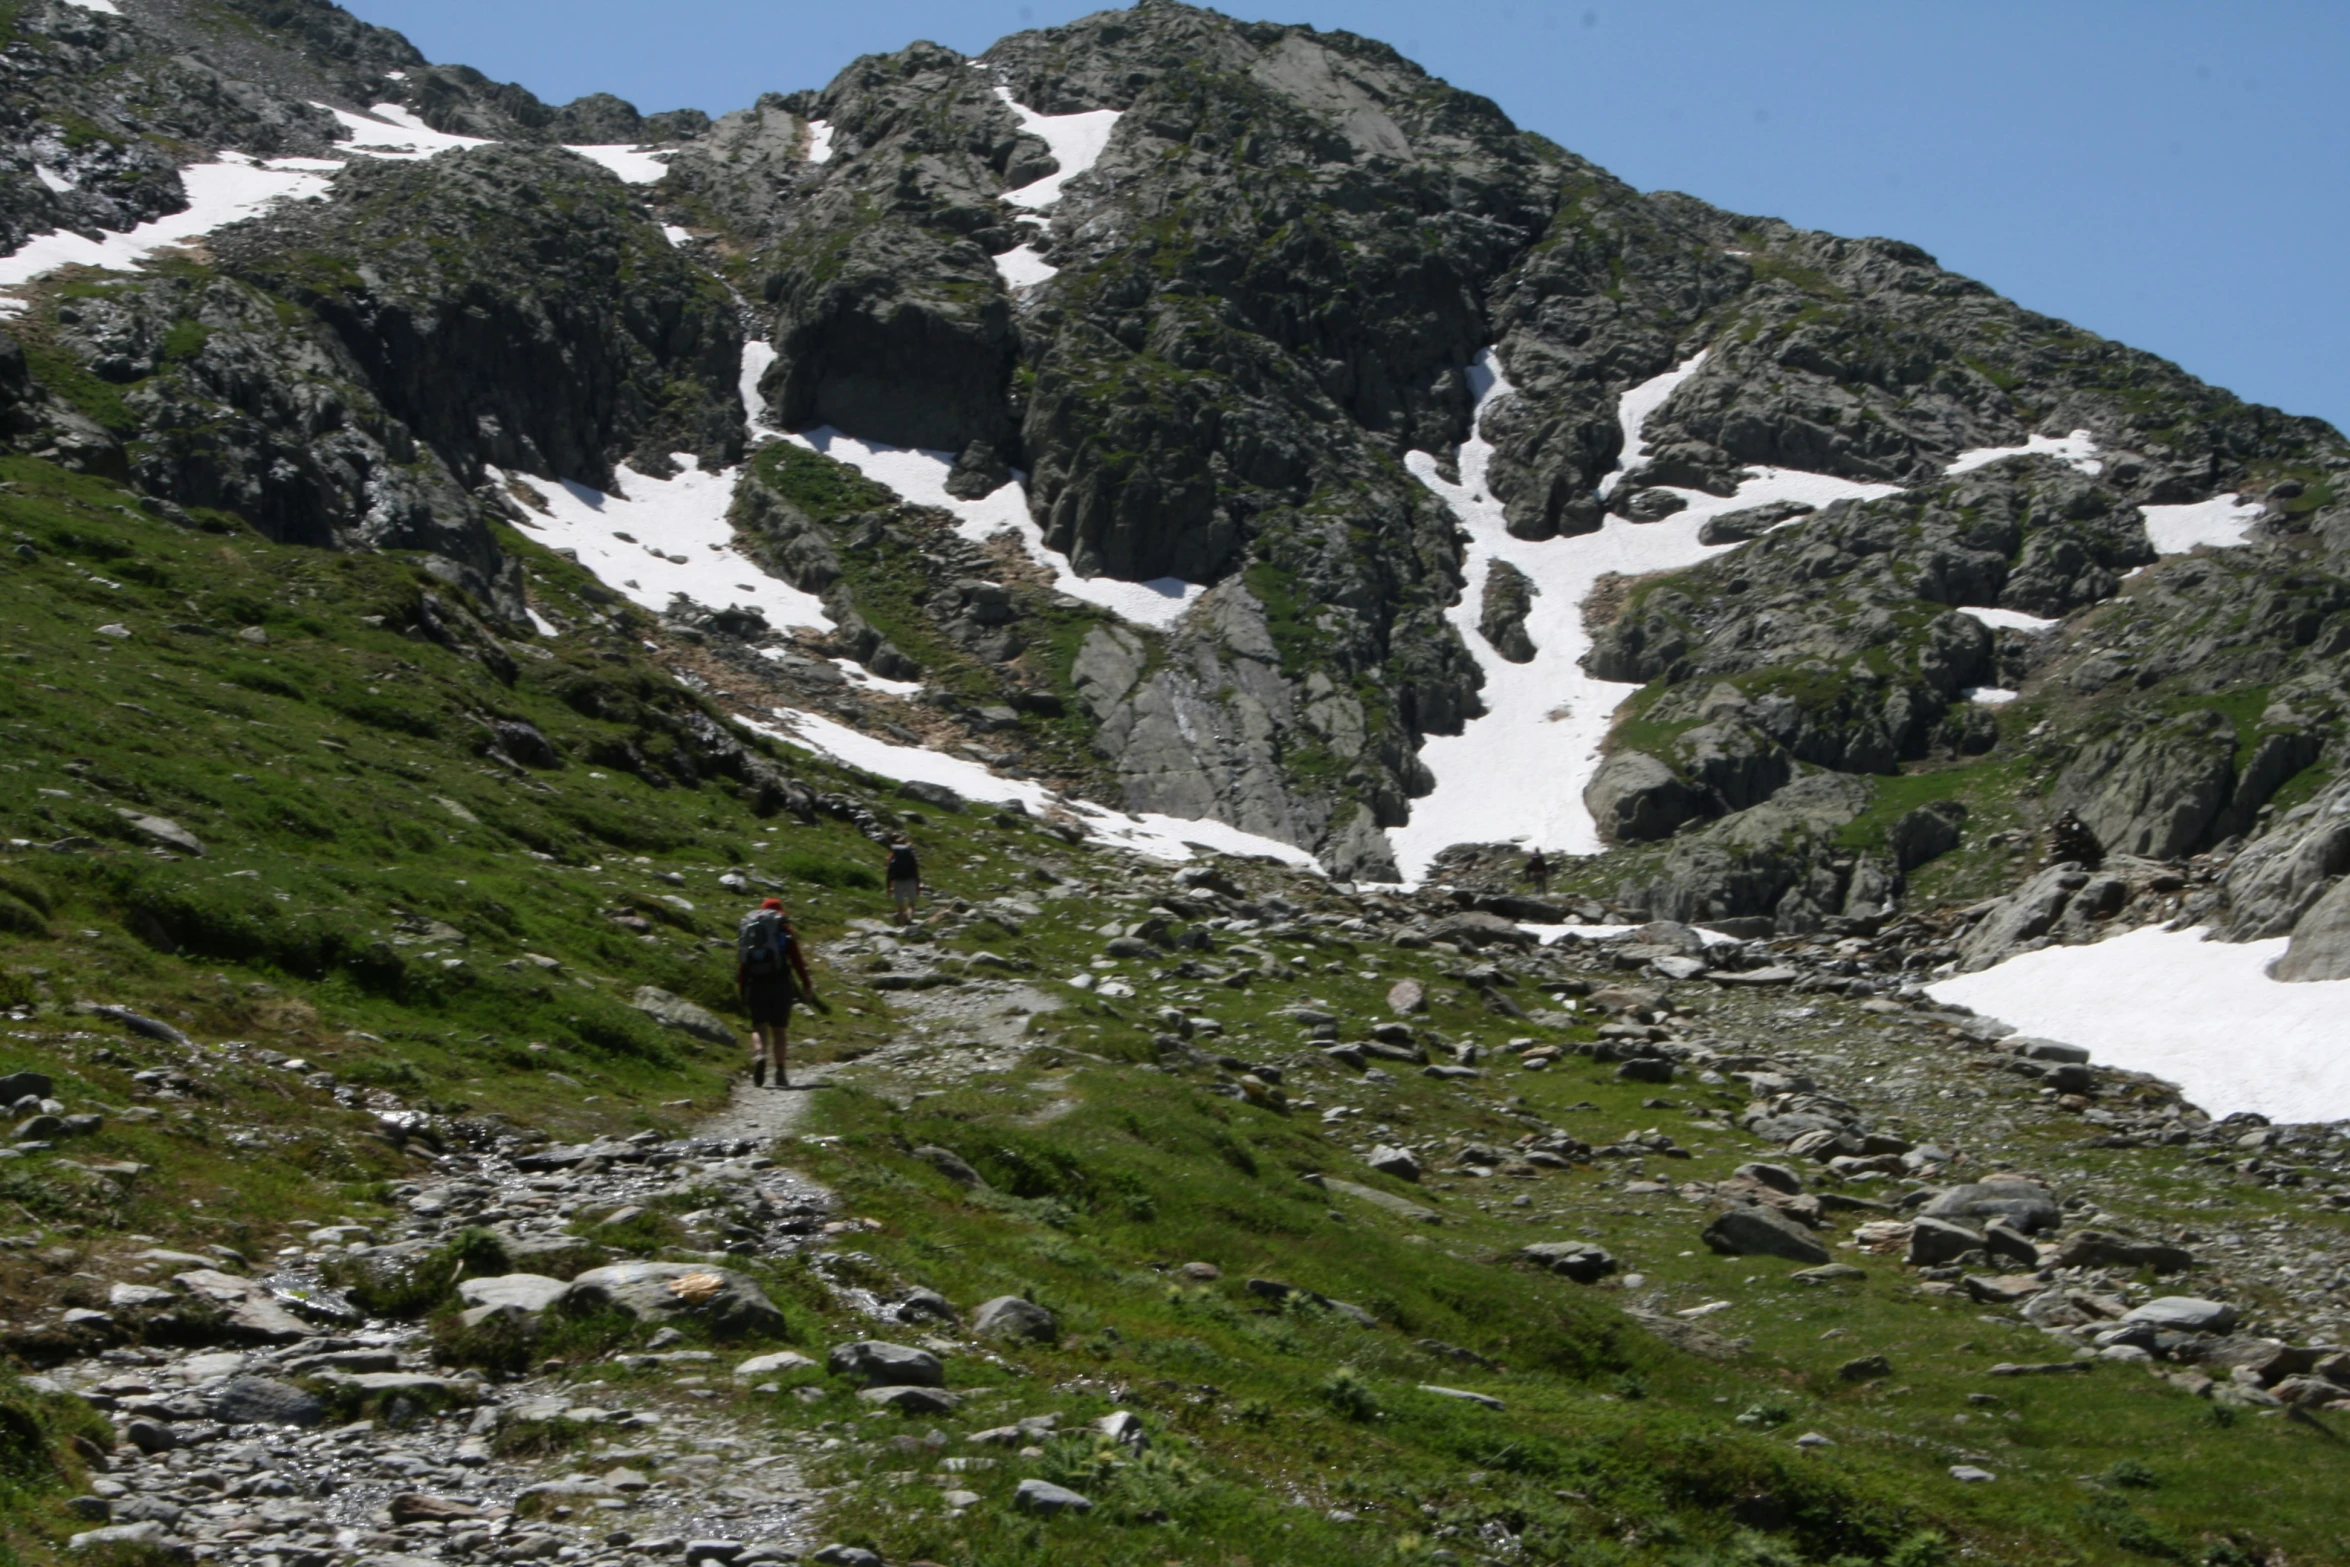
x=391 y=130
x=635 y=165
x=1632 y=412
x=859 y=675
x=920 y=476
x=1990 y=696
x=51 y=178
x=224 y=192
x=758 y=354
x=1077 y=142
x=1024 y=268
x=819 y=141
x=675 y=235
x=544 y=626
x=1166 y=838
x=2219 y=522
x=2201 y=1013
x=665 y=537
x=1519 y=771
x=2009 y=619
x=102 y=7
x=2078 y=449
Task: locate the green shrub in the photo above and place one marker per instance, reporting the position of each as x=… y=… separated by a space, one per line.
x=25 y=888
x=1346 y=1392
x=19 y=918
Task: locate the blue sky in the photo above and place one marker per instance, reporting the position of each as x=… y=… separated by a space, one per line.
x=2175 y=175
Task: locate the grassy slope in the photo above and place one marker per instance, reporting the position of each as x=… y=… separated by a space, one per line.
x=288 y=934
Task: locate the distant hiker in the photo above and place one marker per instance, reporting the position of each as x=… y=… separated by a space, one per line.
x=767 y=956
x=1538 y=871
x=905 y=877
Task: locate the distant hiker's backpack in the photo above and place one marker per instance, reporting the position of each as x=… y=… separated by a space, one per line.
x=902 y=865
x=762 y=948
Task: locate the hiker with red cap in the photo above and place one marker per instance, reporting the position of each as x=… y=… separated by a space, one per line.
x=766 y=958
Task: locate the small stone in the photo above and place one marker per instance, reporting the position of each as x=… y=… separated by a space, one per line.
x=912 y=1400
x=1868 y=1368
x=250 y=1400
x=1828 y=1274
x=1407 y=996
x=1482 y=1400
x=1968 y=1474
x=416 y=1507
x=845 y=1556
x=773 y=1365
x=135 y=1538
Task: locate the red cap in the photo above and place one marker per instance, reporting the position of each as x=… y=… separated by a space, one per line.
x=772 y=903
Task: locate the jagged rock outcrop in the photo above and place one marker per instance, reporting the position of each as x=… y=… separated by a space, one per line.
x=564 y=336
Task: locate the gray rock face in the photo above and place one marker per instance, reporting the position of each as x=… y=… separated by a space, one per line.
x=1782 y=859
x=1011 y=1317
x=1509 y=598
x=682 y=1015
x=877 y=1364
x=1927 y=833
x=2155 y=794
x=2281 y=875
x=726 y=1302
x=2023 y=918
x=2320 y=948
x=1763 y=1232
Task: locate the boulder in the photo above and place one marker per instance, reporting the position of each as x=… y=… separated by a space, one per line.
x=2153 y=794
x=264 y=1401
x=950 y=1164
x=1933 y=1242
x=1476 y=928
x=1401 y=1163
x=1927 y=833
x=726 y=1302
x=131 y=1539
x=2024 y=1205
x=2096 y=1249
x=1761 y=1232
x=780 y=1363
x=1011 y=1317
x=2185 y=1314
x=675 y=1012
x=1578 y=1260
x=1635 y=798
x=527 y=1292
x=908 y=1400
x=877 y=1364
x=1045 y=1499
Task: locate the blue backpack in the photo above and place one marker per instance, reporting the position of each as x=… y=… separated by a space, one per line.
x=762 y=947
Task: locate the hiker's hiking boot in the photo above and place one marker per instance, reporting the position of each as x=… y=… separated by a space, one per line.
x=759 y=1073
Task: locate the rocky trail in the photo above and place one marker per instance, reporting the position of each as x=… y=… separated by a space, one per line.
x=222 y=1453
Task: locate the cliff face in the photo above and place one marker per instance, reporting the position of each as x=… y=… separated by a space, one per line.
x=1205 y=284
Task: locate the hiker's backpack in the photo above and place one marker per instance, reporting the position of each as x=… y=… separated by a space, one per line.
x=762 y=948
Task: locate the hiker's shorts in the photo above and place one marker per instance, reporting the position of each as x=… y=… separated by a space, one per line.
x=770 y=1001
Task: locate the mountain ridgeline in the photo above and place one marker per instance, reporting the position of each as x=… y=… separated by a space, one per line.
x=1226 y=334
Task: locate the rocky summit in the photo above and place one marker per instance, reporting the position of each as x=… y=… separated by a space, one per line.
x=1231 y=501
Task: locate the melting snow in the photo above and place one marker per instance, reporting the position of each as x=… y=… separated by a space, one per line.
x=1024 y=268
x=2218 y=522
x=102 y=7
x=677 y=541
x=675 y=235
x=2009 y=619
x=2201 y=1013
x=1076 y=140
x=1632 y=413
x=51 y=178
x=636 y=165
x=1990 y=696
x=819 y=141
x=920 y=476
x=396 y=132
x=2079 y=449
x=1160 y=837
x=219 y=193
x=1519 y=771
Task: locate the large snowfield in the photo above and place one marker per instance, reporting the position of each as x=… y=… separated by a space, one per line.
x=2203 y=1014
x=1517 y=774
